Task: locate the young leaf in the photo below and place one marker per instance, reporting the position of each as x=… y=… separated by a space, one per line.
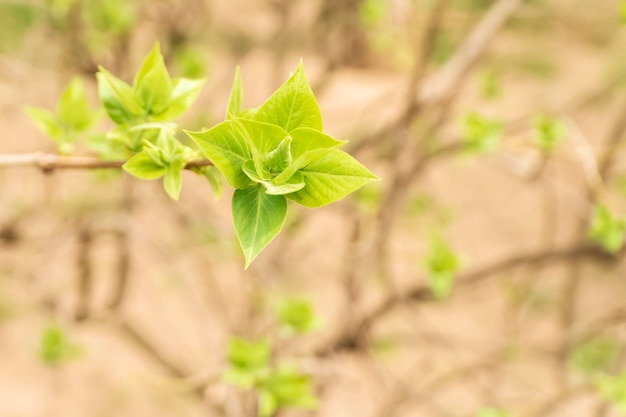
x=248 y=361
x=613 y=389
x=118 y=99
x=258 y=217
x=595 y=356
x=153 y=86
x=236 y=97
x=481 y=134
x=293 y=105
x=141 y=165
x=280 y=158
x=212 y=175
x=45 y=121
x=607 y=229
x=548 y=132
x=226 y=145
x=296 y=316
x=331 y=178
x=184 y=93
x=55 y=346
x=287 y=388
x=73 y=107
x=442 y=264
x=172 y=182
x=293 y=184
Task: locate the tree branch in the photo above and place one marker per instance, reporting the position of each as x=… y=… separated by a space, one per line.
x=51 y=162
x=354 y=337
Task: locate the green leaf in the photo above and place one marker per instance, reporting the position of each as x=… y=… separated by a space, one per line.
x=184 y=93
x=248 y=361
x=481 y=134
x=595 y=356
x=55 y=346
x=307 y=146
x=607 y=229
x=293 y=184
x=267 y=403
x=73 y=107
x=289 y=388
x=141 y=165
x=45 y=121
x=280 y=158
x=172 y=182
x=153 y=86
x=293 y=105
x=118 y=99
x=442 y=264
x=296 y=316
x=548 y=132
x=211 y=173
x=613 y=389
x=331 y=178
x=236 y=97
x=249 y=168
x=258 y=217
x=226 y=145
x=231 y=143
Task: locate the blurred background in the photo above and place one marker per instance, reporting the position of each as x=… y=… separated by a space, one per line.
x=484 y=276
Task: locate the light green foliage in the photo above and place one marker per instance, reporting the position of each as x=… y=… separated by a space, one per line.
x=154 y=96
x=595 y=356
x=296 y=316
x=276 y=386
x=142 y=112
x=190 y=61
x=270 y=154
x=493 y=412
x=275 y=153
x=613 y=389
x=235 y=101
x=607 y=229
x=258 y=217
x=248 y=362
x=548 y=132
x=372 y=12
x=480 y=133
x=55 y=346
x=622 y=11
x=490 y=84
x=442 y=264
x=71 y=118
x=167 y=157
x=285 y=387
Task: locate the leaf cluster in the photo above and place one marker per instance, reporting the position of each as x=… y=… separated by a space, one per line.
x=275 y=153
x=276 y=386
x=480 y=133
x=442 y=265
x=271 y=154
x=607 y=229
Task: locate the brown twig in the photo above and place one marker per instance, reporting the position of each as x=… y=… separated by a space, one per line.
x=51 y=162
x=422 y=293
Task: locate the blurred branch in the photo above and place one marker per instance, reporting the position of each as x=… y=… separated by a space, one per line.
x=51 y=162
x=422 y=292
x=448 y=79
